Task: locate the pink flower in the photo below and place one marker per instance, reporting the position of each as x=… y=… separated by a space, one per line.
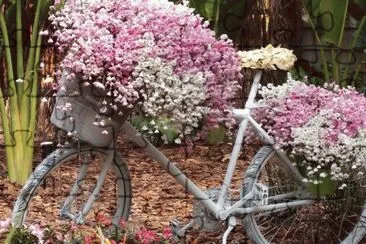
x=4 y=225
x=111 y=38
x=147 y=236
x=167 y=233
x=103 y=219
x=88 y=239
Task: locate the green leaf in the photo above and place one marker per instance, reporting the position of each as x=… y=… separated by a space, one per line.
x=44 y=10
x=333 y=19
x=360 y=2
x=216 y=135
x=231 y=22
x=329 y=19
x=206 y=8
x=327 y=187
x=360 y=34
x=10 y=15
x=313 y=8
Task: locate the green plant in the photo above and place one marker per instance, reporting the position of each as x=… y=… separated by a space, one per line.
x=156 y=130
x=225 y=16
x=18 y=99
x=21 y=236
x=339 y=64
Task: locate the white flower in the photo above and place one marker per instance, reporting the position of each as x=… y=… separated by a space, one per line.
x=224 y=37
x=43 y=33
x=323 y=175
x=99 y=85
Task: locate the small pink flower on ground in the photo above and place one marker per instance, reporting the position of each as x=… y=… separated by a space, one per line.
x=4 y=225
x=147 y=236
x=103 y=219
x=167 y=233
x=37 y=231
x=88 y=239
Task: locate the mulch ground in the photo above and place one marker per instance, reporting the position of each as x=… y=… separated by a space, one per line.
x=157 y=199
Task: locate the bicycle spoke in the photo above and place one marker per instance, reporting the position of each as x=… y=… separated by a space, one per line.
x=329 y=218
x=288 y=219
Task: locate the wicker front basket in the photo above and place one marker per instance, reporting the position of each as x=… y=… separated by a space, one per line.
x=77 y=114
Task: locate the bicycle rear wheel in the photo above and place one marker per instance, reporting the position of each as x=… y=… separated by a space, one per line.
x=337 y=218
x=61 y=185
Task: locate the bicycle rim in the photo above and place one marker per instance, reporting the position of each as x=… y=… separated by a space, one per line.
x=335 y=218
x=42 y=198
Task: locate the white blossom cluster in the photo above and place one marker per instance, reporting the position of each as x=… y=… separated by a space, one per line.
x=167 y=95
x=345 y=159
x=272 y=92
x=324 y=130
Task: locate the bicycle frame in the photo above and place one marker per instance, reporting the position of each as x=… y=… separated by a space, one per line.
x=218 y=208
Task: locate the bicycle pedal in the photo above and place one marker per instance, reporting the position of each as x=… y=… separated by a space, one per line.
x=175 y=225
x=179 y=229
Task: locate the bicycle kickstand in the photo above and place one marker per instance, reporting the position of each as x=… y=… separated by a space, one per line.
x=230 y=227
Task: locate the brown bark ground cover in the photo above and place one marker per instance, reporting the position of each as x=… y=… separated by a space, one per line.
x=156 y=197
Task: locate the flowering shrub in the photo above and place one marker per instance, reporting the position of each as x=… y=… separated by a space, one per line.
x=152 y=53
x=326 y=127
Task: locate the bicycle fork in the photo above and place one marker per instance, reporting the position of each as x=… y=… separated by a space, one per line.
x=79 y=217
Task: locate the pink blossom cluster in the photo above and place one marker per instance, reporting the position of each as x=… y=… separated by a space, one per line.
x=106 y=42
x=327 y=127
x=303 y=102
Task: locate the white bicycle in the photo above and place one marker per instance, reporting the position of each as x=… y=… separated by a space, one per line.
x=276 y=205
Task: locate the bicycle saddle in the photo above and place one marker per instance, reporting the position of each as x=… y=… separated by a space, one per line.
x=269 y=57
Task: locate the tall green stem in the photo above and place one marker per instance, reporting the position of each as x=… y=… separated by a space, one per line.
x=19 y=50
x=16 y=130
x=353 y=45
x=335 y=66
x=12 y=169
x=30 y=66
x=29 y=148
x=322 y=54
x=217 y=17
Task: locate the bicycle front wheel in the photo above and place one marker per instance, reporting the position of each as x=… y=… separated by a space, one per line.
x=336 y=218
x=59 y=188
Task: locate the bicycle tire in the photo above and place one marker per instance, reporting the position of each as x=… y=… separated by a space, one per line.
x=56 y=160
x=302 y=229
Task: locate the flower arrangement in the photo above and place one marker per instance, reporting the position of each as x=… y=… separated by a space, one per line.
x=151 y=53
x=327 y=127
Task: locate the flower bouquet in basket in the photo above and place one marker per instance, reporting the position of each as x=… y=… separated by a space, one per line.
x=161 y=57
x=323 y=129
